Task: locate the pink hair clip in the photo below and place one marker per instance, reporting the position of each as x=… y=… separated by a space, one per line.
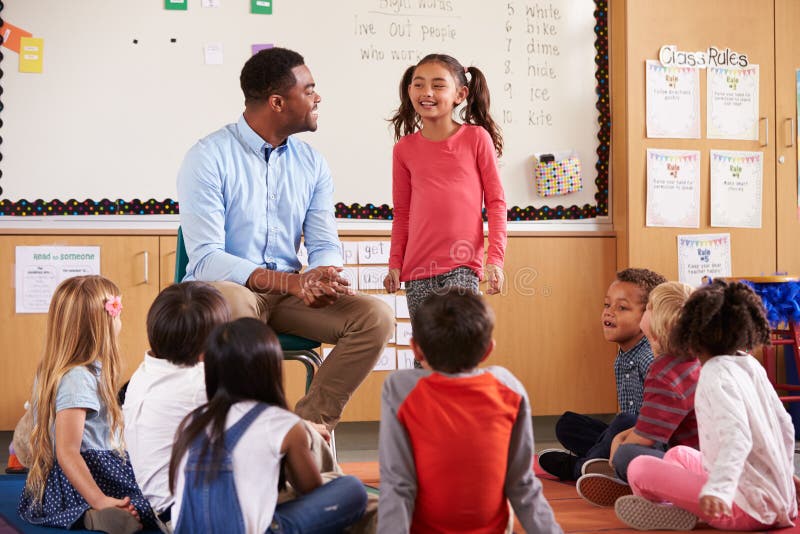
x=114 y=306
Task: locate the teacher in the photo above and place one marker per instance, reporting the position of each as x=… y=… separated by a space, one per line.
x=247 y=193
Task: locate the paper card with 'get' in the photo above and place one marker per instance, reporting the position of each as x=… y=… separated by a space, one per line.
x=31 y=54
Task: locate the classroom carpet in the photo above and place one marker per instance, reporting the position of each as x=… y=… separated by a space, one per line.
x=573 y=513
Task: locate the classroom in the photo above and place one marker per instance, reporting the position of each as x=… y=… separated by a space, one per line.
x=636 y=134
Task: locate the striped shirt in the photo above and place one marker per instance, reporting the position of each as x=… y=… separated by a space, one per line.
x=667 y=414
x=630 y=370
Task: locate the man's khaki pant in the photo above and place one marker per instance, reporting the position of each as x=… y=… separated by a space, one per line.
x=357 y=325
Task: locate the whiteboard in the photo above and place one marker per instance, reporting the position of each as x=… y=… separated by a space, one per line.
x=125 y=90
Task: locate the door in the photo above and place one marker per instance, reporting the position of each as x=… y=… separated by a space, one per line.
x=787 y=62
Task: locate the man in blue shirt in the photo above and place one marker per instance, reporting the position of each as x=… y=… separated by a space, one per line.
x=247 y=193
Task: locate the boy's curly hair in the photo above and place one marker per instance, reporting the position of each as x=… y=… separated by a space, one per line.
x=721 y=318
x=644 y=279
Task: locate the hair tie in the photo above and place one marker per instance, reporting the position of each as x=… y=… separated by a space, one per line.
x=113 y=306
x=466 y=70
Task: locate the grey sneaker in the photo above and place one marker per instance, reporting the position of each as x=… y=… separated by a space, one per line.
x=641 y=514
x=601 y=490
x=598 y=466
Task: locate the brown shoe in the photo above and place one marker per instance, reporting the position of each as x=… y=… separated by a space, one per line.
x=598 y=466
x=641 y=514
x=601 y=490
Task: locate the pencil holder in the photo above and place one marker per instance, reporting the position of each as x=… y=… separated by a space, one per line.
x=558 y=177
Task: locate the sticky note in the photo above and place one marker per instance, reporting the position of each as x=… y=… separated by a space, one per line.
x=176 y=5
x=31 y=52
x=210 y=3
x=11 y=36
x=261 y=7
x=256 y=48
x=213 y=53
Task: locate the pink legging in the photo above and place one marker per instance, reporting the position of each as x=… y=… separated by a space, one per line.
x=678 y=478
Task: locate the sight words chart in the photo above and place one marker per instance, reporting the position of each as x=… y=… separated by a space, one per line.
x=736 y=188
x=40 y=269
x=673 y=101
x=673 y=188
x=703 y=255
x=733 y=103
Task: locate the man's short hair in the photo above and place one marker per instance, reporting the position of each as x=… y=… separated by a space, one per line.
x=180 y=319
x=269 y=72
x=453 y=328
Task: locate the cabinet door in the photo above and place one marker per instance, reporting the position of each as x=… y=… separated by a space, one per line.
x=168 y=245
x=130 y=261
x=744 y=26
x=787 y=62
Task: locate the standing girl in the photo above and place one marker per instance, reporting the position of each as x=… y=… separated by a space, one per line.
x=742 y=478
x=226 y=465
x=443 y=173
x=80 y=475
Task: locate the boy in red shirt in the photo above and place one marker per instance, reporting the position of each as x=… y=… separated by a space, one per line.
x=667 y=416
x=456 y=442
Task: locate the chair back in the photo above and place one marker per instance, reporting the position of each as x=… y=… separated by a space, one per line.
x=181 y=258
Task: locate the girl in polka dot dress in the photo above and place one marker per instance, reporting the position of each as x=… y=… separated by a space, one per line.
x=80 y=475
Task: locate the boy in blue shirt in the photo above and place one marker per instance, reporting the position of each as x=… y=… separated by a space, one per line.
x=585 y=438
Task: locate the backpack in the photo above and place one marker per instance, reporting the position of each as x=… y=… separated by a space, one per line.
x=212 y=506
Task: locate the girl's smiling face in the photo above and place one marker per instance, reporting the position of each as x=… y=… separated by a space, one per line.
x=623 y=308
x=434 y=92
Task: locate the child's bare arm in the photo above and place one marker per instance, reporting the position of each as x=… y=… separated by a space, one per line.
x=628 y=437
x=301 y=471
x=69 y=434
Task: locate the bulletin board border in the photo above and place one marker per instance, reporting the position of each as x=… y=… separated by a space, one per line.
x=89 y=207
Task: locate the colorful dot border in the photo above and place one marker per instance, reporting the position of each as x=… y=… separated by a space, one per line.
x=36 y=208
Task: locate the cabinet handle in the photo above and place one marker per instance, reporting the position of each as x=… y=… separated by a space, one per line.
x=792 y=132
x=766 y=130
x=146 y=256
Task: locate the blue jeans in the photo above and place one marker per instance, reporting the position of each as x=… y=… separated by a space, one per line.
x=328 y=509
x=589 y=438
x=626 y=453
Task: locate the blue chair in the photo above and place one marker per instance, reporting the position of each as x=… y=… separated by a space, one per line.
x=294 y=347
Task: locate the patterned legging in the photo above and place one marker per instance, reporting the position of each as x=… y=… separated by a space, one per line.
x=418 y=290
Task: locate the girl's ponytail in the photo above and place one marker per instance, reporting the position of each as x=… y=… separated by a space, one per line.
x=477 y=109
x=405 y=119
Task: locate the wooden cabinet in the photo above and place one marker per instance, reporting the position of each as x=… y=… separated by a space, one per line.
x=637 y=31
x=548 y=332
x=132 y=262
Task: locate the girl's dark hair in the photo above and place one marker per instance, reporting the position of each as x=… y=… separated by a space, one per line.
x=181 y=318
x=243 y=361
x=721 y=318
x=406 y=121
x=269 y=72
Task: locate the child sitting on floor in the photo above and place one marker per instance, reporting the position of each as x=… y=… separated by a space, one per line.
x=80 y=475
x=667 y=416
x=586 y=438
x=169 y=383
x=456 y=442
x=742 y=476
x=225 y=468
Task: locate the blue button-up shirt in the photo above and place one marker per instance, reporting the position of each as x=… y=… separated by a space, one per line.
x=630 y=370
x=244 y=204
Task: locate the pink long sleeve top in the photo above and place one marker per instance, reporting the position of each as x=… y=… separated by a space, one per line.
x=439 y=189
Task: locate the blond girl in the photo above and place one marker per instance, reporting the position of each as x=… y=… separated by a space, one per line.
x=80 y=475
